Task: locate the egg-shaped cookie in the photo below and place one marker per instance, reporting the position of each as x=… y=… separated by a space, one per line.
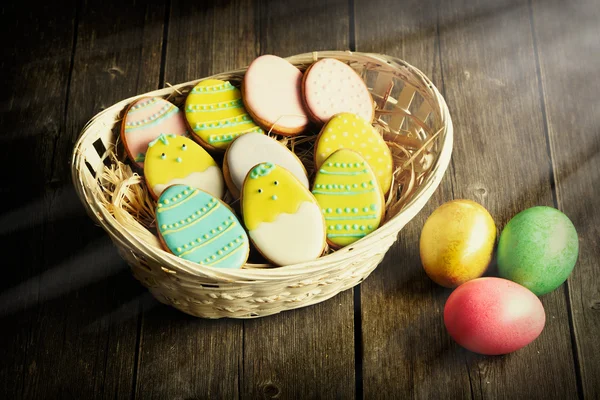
x=216 y=114
x=173 y=160
x=349 y=131
x=198 y=227
x=348 y=193
x=283 y=218
x=144 y=121
x=252 y=149
x=272 y=93
x=330 y=87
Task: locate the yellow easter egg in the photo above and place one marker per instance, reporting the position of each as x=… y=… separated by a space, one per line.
x=177 y=160
x=215 y=112
x=349 y=131
x=457 y=242
x=283 y=218
x=348 y=193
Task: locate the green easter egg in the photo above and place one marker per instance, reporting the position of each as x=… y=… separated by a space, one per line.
x=538 y=249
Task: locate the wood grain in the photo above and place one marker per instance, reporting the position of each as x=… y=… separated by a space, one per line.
x=501 y=161
x=33 y=87
x=87 y=321
x=405 y=348
x=309 y=352
x=568 y=49
x=520 y=79
x=183 y=357
x=487 y=56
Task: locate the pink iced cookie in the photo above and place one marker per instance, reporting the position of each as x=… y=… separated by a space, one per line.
x=331 y=87
x=147 y=119
x=272 y=95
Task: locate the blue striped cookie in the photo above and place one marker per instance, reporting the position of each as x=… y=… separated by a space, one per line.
x=197 y=227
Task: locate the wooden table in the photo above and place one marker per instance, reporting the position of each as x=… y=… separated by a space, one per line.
x=521 y=79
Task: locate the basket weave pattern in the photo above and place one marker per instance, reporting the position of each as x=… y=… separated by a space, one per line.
x=408 y=104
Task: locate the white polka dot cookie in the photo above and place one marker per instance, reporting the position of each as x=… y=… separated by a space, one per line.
x=350 y=199
x=349 y=131
x=272 y=94
x=331 y=87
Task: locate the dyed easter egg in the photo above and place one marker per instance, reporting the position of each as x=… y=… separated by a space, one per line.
x=457 y=242
x=216 y=114
x=349 y=131
x=272 y=93
x=173 y=160
x=331 y=87
x=493 y=316
x=197 y=227
x=252 y=149
x=147 y=119
x=347 y=192
x=538 y=249
x=283 y=218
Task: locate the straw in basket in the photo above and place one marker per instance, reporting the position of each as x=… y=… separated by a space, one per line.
x=411 y=115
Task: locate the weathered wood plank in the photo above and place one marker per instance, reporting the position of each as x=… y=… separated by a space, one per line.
x=488 y=62
x=306 y=353
x=84 y=340
x=184 y=357
x=489 y=80
x=569 y=52
x=405 y=349
x=34 y=72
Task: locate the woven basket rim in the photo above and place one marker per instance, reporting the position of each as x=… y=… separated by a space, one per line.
x=174 y=264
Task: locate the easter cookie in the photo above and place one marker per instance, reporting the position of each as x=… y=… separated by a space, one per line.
x=197 y=227
x=253 y=148
x=349 y=196
x=283 y=218
x=331 y=87
x=144 y=121
x=349 y=131
x=173 y=160
x=216 y=114
x=273 y=96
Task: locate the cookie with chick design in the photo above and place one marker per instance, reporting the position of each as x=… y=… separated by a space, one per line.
x=282 y=217
x=172 y=160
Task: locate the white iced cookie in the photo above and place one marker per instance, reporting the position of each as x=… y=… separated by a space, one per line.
x=254 y=148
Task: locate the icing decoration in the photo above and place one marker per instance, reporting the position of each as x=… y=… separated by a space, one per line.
x=216 y=114
x=349 y=131
x=273 y=92
x=168 y=162
x=345 y=183
x=252 y=149
x=145 y=120
x=197 y=227
x=332 y=87
x=283 y=220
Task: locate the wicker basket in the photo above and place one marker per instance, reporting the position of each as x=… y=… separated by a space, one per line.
x=409 y=107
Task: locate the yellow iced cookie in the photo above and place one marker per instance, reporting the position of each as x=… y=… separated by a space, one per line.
x=215 y=112
x=349 y=131
x=349 y=196
x=172 y=160
x=283 y=218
